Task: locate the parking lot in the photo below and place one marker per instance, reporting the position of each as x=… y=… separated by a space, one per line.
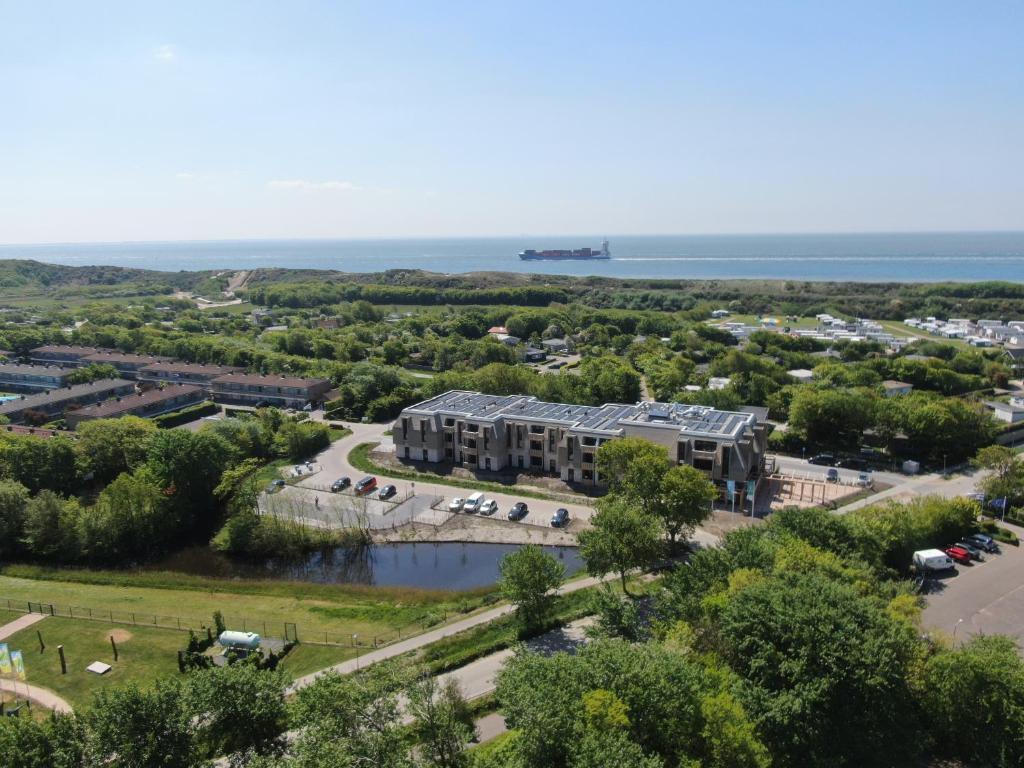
x=986 y=597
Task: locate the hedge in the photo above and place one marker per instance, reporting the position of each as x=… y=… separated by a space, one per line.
x=185 y=415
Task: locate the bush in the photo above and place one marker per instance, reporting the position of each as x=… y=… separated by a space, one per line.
x=185 y=415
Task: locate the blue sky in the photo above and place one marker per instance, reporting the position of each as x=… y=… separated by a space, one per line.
x=208 y=120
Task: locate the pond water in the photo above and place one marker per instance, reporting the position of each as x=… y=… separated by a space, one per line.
x=425 y=565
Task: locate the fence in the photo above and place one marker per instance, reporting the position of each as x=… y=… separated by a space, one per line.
x=287 y=630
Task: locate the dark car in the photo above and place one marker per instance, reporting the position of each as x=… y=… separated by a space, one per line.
x=340 y=484
x=832 y=475
x=972 y=549
x=366 y=485
x=518 y=512
x=852 y=462
x=983 y=541
x=823 y=459
x=560 y=518
x=387 y=492
x=275 y=485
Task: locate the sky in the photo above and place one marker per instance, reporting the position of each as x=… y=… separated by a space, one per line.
x=126 y=121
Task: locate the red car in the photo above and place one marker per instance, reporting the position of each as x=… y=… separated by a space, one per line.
x=962 y=556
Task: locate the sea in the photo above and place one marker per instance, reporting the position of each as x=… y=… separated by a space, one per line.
x=903 y=257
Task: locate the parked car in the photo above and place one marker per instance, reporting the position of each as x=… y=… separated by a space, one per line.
x=561 y=518
x=518 y=512
x=932 y=560
x=455 y=505
x=340 y=484
x=275 y=485
x=366 y=485
x=852 y=462
x=832 y=475
x=972 y=550
x=863 y=479
x=823 y=459
x=489 y=507
x=473 y=503
x=983 y=541
x=962 y=556
x=387 y=492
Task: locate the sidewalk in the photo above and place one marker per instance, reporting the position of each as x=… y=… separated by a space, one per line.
x=20 y=623
x=41 y=696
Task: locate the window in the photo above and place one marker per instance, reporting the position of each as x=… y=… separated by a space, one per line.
x=472 y=427
x=588 y=475
x=704 y=465
x=407 y=451
x=447 y=437
x=448 y=453
x=487 y=462
x=708 y=446
x=423 y=429
x=535 y=430
x=590 y=441
x=551 y=467
x=405 y=428
x=471 y=443
x=536 y=445
x=535 y=461
x=424 y=454
x=588 y=458
x=449 y=422
x=520 y=461
x=726 y=455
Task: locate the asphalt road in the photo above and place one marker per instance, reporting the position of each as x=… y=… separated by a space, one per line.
x=984 y=598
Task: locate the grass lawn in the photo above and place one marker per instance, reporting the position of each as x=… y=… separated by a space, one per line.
x=144 y=654
x=338 y=609
x=897 y=328
x=305 y=658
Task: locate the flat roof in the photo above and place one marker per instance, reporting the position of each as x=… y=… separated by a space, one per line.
x=130 y=402
x=40 y=370
x=609 y=417
x=270 y=381
x=64 y=393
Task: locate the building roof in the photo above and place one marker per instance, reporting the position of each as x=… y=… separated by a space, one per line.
x=1014 y=350
x=998 y=405
x=39 y=370
x=125 y=357
x=255 y=379
x=114 y=407
x=497 y=329
x=64 y=393
x=69 y=349
x=594 y=418
x=893 y=384
x=555 y=343
x=191 y=368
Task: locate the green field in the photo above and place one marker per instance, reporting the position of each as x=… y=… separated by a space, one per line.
x=162 y=598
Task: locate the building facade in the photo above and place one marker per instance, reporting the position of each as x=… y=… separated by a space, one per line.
x=261 y=391
x=32 y=378
x=153 y=402
x=61 y=354
x=185 y=373
x=56 y=402
x=492 y=432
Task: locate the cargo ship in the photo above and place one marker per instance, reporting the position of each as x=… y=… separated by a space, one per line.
x=584 y=254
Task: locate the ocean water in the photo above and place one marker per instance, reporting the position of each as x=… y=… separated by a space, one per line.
x=925 y=257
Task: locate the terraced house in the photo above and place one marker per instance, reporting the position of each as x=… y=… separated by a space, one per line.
x=260 y=391
x=491 y=432
x=32 y=378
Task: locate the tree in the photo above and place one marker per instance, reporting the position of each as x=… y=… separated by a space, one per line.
x=93 y=372
x=1005 y=476
x=108 y=447
x=13 y=501
x=128 y=522
x=615 y=458
x=443 y=721
x=683 y=500
x=622 y=538
x=51 y=527
x=529 y=576
x=616 y=616
x=131 y=728
x=833 y=417
x=730 y=740
x=57 y=742
x=974 y=698
x=236 y=707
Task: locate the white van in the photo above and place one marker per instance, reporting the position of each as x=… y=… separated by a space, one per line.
x=473 y=503
x=930 y=560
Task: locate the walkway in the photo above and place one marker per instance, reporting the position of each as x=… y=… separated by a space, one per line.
x=20 y=623
x=42 y=696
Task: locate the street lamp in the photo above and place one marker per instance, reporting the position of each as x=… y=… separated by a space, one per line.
x=956 y=627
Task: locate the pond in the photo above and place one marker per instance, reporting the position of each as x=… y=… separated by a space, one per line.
x=430 y=566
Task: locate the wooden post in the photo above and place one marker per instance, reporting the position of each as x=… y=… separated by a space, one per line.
x=114 y=646
x=63 y=662
x=42 y=645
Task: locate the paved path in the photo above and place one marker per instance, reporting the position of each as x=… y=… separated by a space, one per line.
x=417 y=642
x=42 y=696
x=20 y=623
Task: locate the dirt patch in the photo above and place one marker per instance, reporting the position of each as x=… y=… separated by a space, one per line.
x=466 y=528
x=119 y=635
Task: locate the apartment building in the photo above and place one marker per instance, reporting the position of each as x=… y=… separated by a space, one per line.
x=153 y=402
x=492 y=432
x=54 y=404
x=32 y=378
x=68 y=355
x=127 y=364
x=185 y=373
x=260 y=391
